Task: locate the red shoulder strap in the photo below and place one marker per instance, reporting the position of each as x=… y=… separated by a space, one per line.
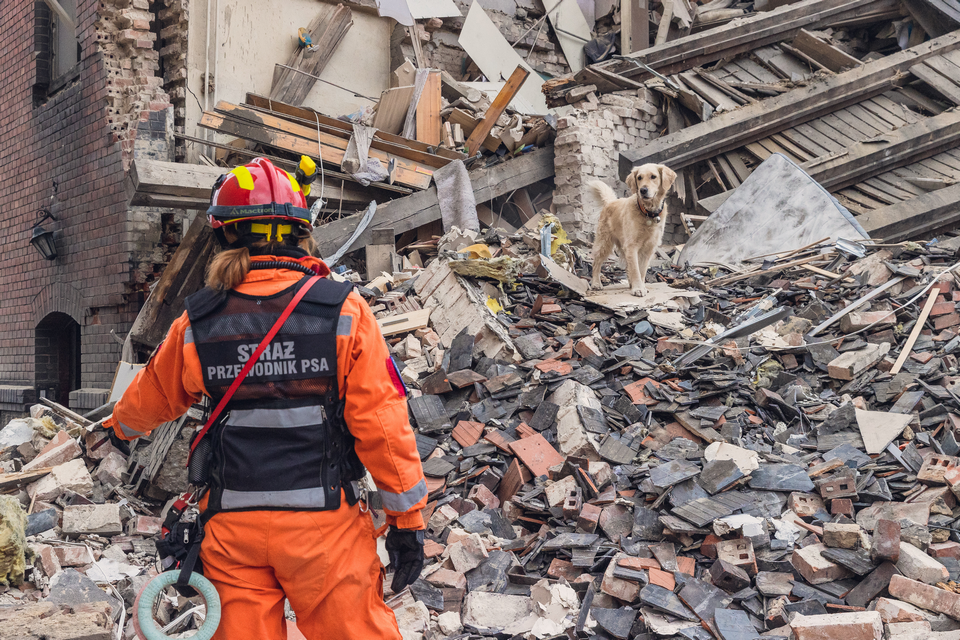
x=252 y=361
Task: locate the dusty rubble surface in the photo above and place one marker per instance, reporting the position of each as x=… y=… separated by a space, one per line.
x=745 y=453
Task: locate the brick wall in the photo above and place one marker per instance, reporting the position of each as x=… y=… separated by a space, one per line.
x=79 y=136
x=588 y=145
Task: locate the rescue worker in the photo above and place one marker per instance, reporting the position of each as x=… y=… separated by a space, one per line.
x=324 y=397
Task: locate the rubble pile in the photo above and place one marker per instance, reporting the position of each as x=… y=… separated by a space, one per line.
x=770 y=450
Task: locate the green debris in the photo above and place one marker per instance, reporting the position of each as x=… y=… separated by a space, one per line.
x=13 y=541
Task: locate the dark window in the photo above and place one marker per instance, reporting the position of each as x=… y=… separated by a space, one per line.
x=56 y=44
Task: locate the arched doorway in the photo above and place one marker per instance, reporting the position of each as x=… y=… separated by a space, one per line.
x=57 y=357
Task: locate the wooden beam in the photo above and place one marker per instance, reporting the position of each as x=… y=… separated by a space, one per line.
x=824 y=52
x=908 y=144
x=914 y=218
x=479 y=135
x=917 y=328
x=296 y=80
x=376 y=190
x=422 y=208
x=428 y=111
x=663 y=30
x=753 y=122
x=309 y=117
x=746 y=35
x=283 y=134
x=634 y=26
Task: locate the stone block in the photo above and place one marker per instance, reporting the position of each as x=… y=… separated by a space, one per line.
x=728 y=577
x=483 y=497
x=449 y=623
x=805 y=505
x=852 y=363
x=101 y=519
x=467 y=553
x=413 y=617
x=925 y=596
x=73 y=556
x=892 y=610
x=588 y=518
x=498 y=613
x=61 y=449
x=49 y=561
x=814 y=568
x=917 y=565
x=69 y=476
x=886 y=541
x=557 y=492
x=110 y=471
x=841 y=536
x=935 y=468
x=859 y=625
x=145 y=526
x=948 y=549
x=739 y=553
x=447 y=578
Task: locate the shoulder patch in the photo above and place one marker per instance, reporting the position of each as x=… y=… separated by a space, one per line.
x=328 y=292
x=204 y=302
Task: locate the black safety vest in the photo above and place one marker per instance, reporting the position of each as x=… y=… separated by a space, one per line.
x=282 y=443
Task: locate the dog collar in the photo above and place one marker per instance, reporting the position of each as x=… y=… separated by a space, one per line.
x=649 y=214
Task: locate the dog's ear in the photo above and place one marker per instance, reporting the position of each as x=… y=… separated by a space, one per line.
x=632 y=181
x=667 y=177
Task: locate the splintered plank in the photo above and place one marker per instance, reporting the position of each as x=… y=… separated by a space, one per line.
x=428 y=111
x=303 y=140
x=939 y=83
x=506 y=94
x=824 y=53
x=21 y=478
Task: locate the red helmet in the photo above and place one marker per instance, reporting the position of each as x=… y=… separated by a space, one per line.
x=257 y=191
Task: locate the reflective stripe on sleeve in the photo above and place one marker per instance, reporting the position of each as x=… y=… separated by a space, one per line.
x=344 y=324
x=188 y=336
x=127 y=431
x=403 y=501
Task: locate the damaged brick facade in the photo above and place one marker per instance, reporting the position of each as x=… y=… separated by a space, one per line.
x=66 y=143
x=588 y=145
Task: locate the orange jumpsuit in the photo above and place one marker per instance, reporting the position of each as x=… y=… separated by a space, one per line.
x=324 y=562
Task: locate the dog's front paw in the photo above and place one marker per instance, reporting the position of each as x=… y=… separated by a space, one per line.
x=595 y=284
x=640 y=292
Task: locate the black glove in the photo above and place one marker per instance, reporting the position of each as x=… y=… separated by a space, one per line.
x=405 y=548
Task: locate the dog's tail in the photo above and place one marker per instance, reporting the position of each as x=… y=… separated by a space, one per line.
x=603 y=192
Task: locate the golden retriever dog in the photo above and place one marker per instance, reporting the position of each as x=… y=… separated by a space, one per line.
x=632 y=225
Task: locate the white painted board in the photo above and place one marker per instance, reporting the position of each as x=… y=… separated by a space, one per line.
x=424 y=9
x=572 y=31
x=126 y=372
x=487 y=47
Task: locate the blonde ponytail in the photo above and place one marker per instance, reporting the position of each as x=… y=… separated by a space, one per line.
x=228 y=269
